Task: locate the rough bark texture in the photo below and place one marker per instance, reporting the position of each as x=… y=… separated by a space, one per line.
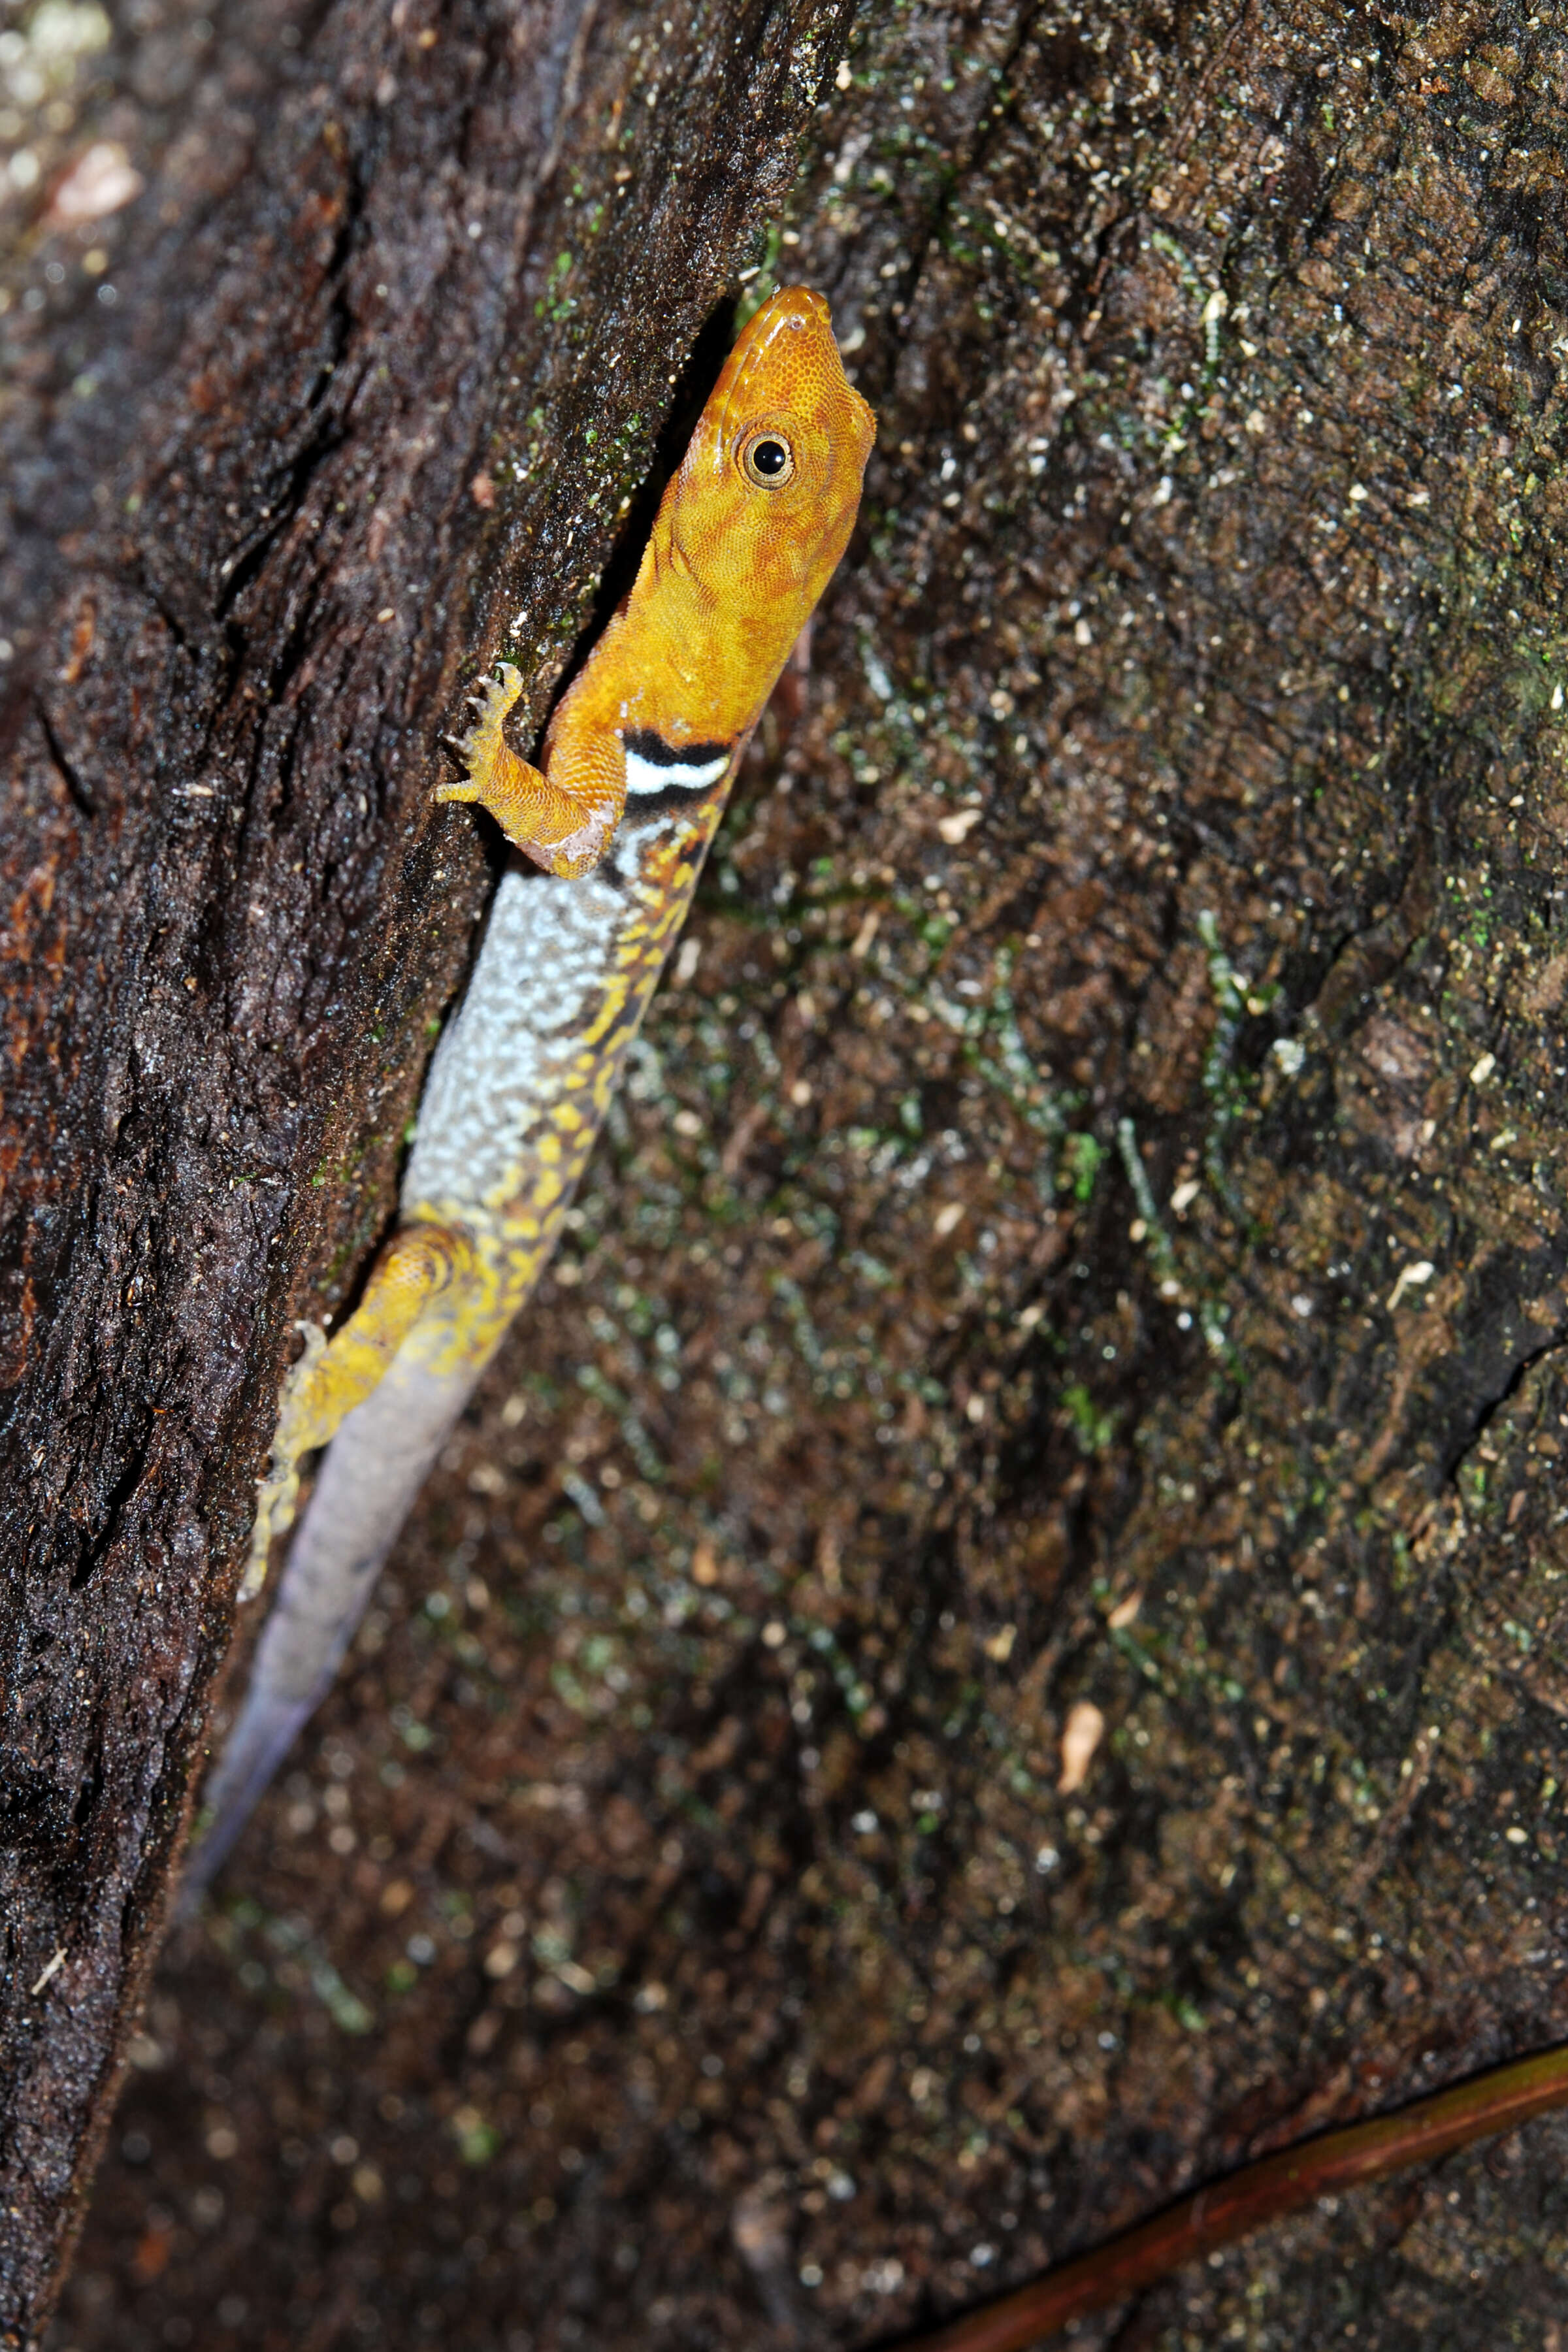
x=390 y=340
x=1082 y=1258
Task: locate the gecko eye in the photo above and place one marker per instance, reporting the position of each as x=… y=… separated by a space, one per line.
x=768 y=461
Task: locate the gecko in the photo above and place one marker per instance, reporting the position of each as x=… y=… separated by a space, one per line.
x=610 y=830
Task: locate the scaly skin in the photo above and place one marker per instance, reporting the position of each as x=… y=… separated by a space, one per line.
x=636 y=766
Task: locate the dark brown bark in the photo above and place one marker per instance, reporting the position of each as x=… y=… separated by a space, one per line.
x=1144 y=1191
x=392 y=334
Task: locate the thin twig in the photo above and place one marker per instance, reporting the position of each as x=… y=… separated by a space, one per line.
x=1231 y=2208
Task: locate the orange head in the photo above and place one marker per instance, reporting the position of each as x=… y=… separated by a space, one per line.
x=769 y=486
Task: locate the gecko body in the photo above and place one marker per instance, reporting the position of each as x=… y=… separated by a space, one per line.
x=636 y=768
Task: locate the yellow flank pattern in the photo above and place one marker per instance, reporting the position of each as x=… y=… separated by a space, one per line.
x=522 y=1213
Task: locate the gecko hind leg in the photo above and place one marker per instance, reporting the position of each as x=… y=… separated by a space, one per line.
x=419 y=1262
x=565 y=832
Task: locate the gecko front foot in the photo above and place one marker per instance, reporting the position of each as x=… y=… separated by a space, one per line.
x=566 y=833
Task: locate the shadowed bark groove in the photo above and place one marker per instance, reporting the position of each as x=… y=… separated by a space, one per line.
x=1084 y=1241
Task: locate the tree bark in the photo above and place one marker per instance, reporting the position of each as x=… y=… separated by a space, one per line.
x=994 y=1644
x=390 y=337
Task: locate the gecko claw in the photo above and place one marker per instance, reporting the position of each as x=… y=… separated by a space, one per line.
x=489 y=701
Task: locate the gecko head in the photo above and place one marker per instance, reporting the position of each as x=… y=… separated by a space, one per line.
x=771 y=480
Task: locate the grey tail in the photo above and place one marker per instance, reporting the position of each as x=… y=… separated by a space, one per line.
x=257 y=1745
x=370 y=1477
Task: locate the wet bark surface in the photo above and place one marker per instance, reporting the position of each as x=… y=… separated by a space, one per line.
x=992 y=1646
